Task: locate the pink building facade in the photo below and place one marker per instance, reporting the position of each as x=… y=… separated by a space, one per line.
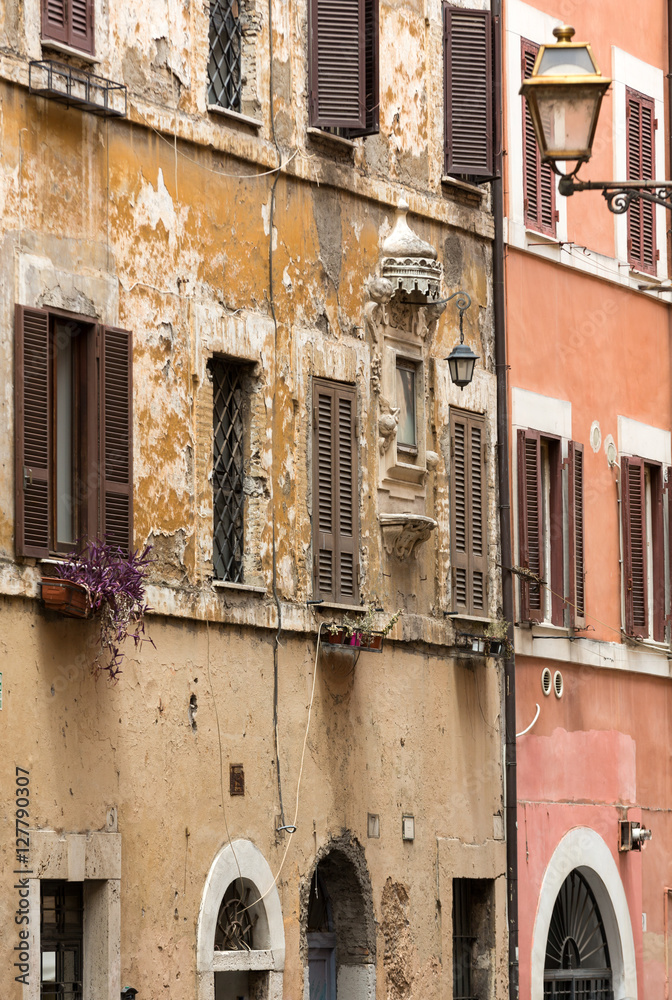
x=590 y=406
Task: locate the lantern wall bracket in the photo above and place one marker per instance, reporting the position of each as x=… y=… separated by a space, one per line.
x=617 y=194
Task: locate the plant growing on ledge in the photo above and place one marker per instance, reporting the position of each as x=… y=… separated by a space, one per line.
x=115 y=589
x=362 y=632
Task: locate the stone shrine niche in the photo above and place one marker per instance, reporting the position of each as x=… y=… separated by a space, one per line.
x=402 y=314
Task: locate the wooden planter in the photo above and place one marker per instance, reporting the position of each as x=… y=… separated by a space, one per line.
x=370 y=642
x=66 y=597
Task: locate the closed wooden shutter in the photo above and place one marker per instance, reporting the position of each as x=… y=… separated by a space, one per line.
x=116 y=437
x=32 y=391
x=371 y=73
x=633 y=504
x=81 y=24
x=55 y=20
x=337 y=65
x=657 y=553
x=468 y=514
x=335 y=496
x=70 y=22
x=530 y=527
x=468 y=80
x=577 y=568
x=538 y=179
x=640 y=113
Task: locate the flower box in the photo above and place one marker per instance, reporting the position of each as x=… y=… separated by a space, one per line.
x=370 y=642
x=65 y=596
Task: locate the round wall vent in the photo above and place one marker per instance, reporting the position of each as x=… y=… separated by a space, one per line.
x=558 y=684
x=546 y=681
x=595 y=436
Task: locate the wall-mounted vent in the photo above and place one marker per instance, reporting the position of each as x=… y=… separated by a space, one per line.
x=558 y=684
x=546 y=681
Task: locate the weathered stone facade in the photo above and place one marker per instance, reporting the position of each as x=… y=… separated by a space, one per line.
x=175 y=223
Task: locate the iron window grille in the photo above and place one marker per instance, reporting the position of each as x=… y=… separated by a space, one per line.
x=577 y=963
x=61 y=939
x=228 y=470
x=225 y=60
x=464 y=939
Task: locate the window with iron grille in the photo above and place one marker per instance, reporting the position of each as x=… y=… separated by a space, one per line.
x=228 y=475
x=61 y=939
x=473 y=938
x=225 y=77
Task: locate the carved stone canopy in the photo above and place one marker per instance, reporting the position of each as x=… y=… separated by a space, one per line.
x=410 y=263
x=402 y=533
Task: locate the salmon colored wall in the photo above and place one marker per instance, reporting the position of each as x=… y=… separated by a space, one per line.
x=606 y=349
x=639 y=29
x=598 y=751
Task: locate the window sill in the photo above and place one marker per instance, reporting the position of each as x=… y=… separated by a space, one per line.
x=329 y=605
x=335 y=141
x=234 y=116
x=458 y=616
x=546 y=238
x=226 y=585
x=68 y=50
x=464 y=186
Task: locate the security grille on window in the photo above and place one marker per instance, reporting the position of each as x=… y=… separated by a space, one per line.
x=473 y=938
x=228 y=470
x=225 y=60
x=61 y=939
x=73 y=445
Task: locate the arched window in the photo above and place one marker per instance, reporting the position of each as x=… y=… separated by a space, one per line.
x=241 y=940
x=340 y=930
x=577 y=956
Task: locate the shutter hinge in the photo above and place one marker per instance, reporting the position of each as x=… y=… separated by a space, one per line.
x=565 y=462
x=655 y=123
x=27 y=477
x=657 y=255
x=356 y=428
x=557 y=215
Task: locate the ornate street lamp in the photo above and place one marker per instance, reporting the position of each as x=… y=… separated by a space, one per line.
x=461 y=360
x=564 y=94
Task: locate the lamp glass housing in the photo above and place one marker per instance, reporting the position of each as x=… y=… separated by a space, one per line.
x=461 y=363
x=564 y=95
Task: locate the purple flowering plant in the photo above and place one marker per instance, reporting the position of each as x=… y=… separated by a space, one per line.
x=115 y=587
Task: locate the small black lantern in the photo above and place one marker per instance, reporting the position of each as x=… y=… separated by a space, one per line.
x=128 y=993
x=462 y=360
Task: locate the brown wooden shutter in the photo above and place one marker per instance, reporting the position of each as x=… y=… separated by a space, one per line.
x=81 y=24
x=538 y=179
x=633 y=504
x=32 y=393
x=468 y=82
x=116 y=437
x=668 y=490
x=55 y=20
x=371 y=73
x=555 y=573
x=530 y=527
x=468 y=514
x=577 y=568
x=335 y=495
x=640 y=113
x=658 y=553
x=337 y=65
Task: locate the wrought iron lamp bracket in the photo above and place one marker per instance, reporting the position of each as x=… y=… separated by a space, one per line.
x=463 y=303
x=617 y=194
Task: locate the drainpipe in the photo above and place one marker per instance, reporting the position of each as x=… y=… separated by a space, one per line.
x=505 y=530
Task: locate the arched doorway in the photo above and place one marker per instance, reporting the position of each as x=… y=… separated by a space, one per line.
x=339 y=925
x=577 y=963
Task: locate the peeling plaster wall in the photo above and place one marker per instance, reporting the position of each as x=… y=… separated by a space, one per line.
x=165 y=231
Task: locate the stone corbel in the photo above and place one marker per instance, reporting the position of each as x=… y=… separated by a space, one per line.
x=402 y=533
x=379 y=291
